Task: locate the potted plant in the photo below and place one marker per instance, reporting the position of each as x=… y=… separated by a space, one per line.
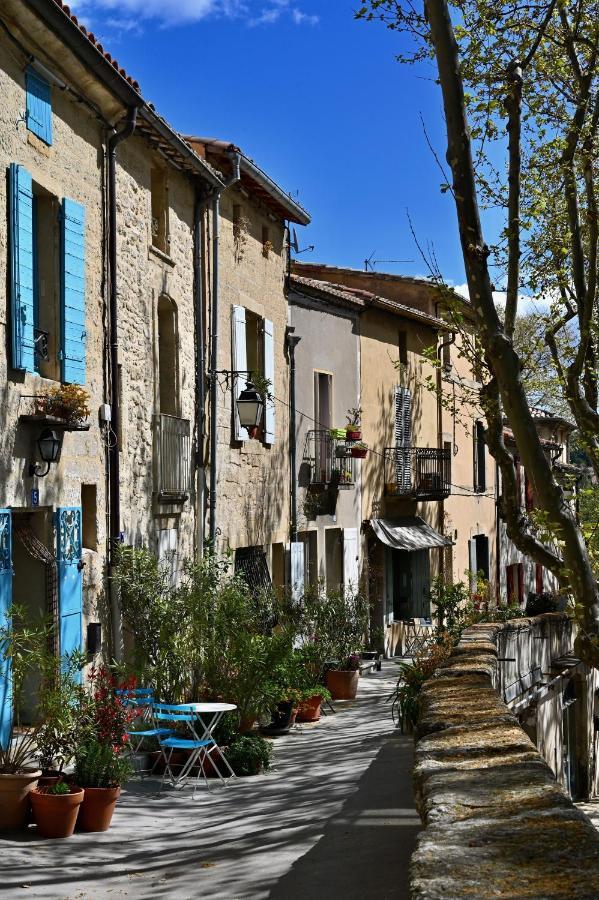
x=309 y=707
x=100 y=769
x=359 y=450
x=22 y=647
x=62 y=708
x=68 y=402
x=342 y=679
x=353 y=431
x=249 y=755
x=342 y=451
x=55 y=809
x=338 y=434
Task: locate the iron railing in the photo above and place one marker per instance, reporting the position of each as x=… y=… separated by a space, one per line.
x=40 y=344
x=422 y=473
x=330 y=460
x=173 y=451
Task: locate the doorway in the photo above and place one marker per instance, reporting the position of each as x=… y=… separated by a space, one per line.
x=569 y=740
x=408 y=587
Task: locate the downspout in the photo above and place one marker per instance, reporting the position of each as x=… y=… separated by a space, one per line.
x=441 y=522
x=114 y=448
x=200 y=380
x=236 y=175
x=292 y=342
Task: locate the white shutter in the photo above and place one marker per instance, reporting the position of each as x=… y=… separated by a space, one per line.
x=239 y=364
x=296 y=570
x=403 y=437
x=269 y=373
x=351 y=568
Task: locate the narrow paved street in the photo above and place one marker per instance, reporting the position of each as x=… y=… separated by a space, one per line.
x=333 y=819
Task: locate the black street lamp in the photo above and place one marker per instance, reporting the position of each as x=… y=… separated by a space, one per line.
x=48 y=446
x=250 y=406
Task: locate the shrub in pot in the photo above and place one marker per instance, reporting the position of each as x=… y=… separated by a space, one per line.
x=249 y=755
x=55 y=809
x=342 y=680
x=309 y=707
x=100 y=769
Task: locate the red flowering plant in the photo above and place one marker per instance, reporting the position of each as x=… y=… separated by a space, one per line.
x=112 y=711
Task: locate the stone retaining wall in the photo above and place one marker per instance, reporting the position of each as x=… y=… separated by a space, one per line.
x=496 y=823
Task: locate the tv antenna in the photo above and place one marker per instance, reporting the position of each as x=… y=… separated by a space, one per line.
x=295 y=245
x=370 y=263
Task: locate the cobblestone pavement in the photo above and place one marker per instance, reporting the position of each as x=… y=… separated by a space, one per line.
x=333 y=819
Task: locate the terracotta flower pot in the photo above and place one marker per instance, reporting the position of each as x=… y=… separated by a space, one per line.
x=14 y=798
x=359 y=452
x=97 y=808
x=309 y=709
x=343 y=684
x=353 y=434
x=246 y=723
x=55 y=814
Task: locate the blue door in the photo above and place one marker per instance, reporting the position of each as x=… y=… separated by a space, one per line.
x=70 y=578
x=5 y=604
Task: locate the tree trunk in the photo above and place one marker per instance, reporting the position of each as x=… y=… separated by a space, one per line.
x=501 y=357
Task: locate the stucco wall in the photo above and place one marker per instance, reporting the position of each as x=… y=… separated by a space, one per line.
x=330 y=342
x=496 y=822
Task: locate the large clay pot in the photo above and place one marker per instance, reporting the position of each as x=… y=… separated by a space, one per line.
x=56 y=814
x=97 y=808
x=14 y=799
x=309 y=709
x=343 y=684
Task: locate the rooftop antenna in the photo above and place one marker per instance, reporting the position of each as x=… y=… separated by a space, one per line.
x=370 y=263
x=295 y=245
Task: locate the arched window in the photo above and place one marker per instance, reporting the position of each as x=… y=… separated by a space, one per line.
x=168 y=362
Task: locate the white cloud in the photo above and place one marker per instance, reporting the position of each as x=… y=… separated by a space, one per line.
x=178 y=12
x=525 y=304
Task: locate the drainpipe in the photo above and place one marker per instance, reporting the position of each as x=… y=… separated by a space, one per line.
x=236 y=162
x=200 y=380
x=292 y=342
x=114 y=450
x=441 y=507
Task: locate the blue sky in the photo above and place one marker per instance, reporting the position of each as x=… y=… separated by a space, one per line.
x=316 y=98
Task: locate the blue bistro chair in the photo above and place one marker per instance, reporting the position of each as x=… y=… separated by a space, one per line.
x=142 y=699
x=181 y=715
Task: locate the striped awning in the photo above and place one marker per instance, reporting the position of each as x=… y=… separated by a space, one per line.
x=408 y=533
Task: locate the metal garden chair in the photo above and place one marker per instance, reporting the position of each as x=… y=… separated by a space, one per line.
x=142 y=699
x=180 y=715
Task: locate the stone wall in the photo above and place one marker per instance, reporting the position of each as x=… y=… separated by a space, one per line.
x=496 y=823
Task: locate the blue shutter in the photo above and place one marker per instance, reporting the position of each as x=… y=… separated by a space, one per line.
x=72 y=319
x=5 y=604
x=70 y=578
x=21 y=268
x=39 y=106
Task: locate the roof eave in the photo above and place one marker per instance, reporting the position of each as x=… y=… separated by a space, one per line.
x=296 y=213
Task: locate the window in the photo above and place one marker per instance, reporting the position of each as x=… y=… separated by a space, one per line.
x=168 y=367
x=252 y=351
x=167 y=553
x=159 y=192
x=515 y=583
x=323 y=401
x=481 y=545
x=266 y=241
x=47 y=281
x=252 y=566
x=402 y=342
x=89 y=510
x=480 y=462
x=39 y=106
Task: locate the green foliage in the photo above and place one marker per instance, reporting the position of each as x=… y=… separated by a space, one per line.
x=98 y=765
x=450 y=602
x=412 y=675
x=249 y=755
x=334 y=623
x=59 y=789
x=63 y=708
x=589 y=520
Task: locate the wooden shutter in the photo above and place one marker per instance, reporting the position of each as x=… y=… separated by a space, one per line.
x=269 y=373
x=239 y=364
x=538 y=578
x=403 y=437
x=72 y=307
x=22 y=268
x=472 y=564
x=351 y=562
x=70 y=578
x=39 y=106
x=509 y=577
x=296 y=551
x=5 y=604
x=521 y=596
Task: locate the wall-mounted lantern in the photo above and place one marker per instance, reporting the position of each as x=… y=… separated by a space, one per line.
x=48 y=446
x=250 y=406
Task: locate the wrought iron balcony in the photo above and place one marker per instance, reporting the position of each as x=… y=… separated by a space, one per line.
x=173 y=457
x=417 y=473
x=40 y=344
x=329 y=460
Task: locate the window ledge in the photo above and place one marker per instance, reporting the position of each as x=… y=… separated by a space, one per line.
x=164 y=257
